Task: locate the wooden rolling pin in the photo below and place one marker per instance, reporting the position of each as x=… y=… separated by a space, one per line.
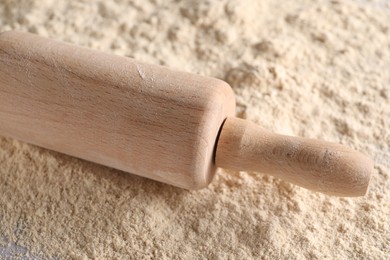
x=169 y=126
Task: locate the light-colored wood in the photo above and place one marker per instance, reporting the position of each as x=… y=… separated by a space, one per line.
x=152 y=121
x=144 y=119
x=317 y=165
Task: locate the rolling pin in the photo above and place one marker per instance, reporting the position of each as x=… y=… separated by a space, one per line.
x=149 y=120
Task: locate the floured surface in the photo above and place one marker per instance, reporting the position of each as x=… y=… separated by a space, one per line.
x=315 y=69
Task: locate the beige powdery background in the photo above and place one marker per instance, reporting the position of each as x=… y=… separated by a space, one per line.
x=318 y=69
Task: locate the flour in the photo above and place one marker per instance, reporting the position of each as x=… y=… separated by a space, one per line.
x=318 y=69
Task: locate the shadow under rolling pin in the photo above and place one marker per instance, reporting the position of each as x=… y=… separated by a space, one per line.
x=169 y=126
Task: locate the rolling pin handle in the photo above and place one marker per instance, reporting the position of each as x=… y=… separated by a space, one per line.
x=326 y=167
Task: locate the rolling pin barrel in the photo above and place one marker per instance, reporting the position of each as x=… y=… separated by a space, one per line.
x=169 y=126
x=139 y=118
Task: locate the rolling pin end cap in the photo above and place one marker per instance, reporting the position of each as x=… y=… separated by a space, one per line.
x=365 y=174
x=357 y=176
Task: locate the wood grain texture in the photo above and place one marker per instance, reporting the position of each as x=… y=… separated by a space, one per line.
x=144 y=119
x=316 y=165
x=152 y=121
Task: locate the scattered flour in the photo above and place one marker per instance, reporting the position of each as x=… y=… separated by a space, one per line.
x=318 y=69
